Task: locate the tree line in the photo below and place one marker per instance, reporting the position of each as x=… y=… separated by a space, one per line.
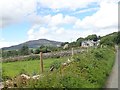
x=25 y=50
x=109 y=40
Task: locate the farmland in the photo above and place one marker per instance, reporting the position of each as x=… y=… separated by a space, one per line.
x=87 y=70
x=11 y=69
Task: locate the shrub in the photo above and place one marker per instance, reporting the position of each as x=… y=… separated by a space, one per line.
x=56 y=64
x=98 y=54
x=33 y=57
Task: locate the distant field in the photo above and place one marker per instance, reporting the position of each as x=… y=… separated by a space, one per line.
x=12 y=69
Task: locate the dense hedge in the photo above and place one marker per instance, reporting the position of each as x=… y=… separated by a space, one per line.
x=88 y=70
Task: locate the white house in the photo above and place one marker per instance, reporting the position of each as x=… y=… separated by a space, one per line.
x=90 y=43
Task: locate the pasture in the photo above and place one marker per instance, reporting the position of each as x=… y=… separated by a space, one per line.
x=11 y=69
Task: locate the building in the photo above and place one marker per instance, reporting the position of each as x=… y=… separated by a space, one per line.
x=90 y=43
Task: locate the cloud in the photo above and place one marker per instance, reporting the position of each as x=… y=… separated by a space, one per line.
x=4 y=43
x=53 y=20
x=59 y=19
x=56 y=20
x=105 y=18
x=102 y=22
x=69 y=4
x=86 y=10
x=56 y=33
x=13 y=11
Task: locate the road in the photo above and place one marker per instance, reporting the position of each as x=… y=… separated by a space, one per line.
x=119 y=68
x=112 y=81
x=1 y=85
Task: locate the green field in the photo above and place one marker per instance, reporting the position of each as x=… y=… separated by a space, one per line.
x=11 y=69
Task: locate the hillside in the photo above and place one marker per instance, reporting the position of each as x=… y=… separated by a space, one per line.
x=111 y=39
x=34 y=44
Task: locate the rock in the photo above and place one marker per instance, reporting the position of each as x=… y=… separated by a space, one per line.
x=25 y=76
x=9 y=83
x=36 y=77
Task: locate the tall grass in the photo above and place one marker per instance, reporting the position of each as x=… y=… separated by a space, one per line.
x=89 y=70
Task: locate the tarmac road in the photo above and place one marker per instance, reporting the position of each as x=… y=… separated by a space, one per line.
x=1 y=85
x=112 y=81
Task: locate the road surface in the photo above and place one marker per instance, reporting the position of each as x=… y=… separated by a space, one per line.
x=119 y=68
x=1 y=85
x=112 y=81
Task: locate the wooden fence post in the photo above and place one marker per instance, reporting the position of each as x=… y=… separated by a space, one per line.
x=72 y=52
x=41 y=62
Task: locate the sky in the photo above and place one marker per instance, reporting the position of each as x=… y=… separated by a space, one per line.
x=59 y=20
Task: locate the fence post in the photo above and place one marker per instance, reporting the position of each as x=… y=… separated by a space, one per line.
x=41 y=62
x=72 y=52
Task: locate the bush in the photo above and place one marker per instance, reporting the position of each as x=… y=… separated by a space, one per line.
x=98 y=54
x=33 y=57
x=37 y=51
x=56 y=64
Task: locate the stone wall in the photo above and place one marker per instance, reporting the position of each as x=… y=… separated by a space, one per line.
x=45 y=55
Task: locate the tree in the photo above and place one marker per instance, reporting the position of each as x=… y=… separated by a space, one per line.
x=99 y=37
x=43 y=49
x=73 y=44
x=92 y=37
x=107 y=41
x=14 y=52
x=118 y=38
x=37 y=51
x=31 y=50
x=111 y=39
x=64 y=43
x=42 y=46
x=24 y=50
x=79 y=41
x=10 y=53
x=51 y=48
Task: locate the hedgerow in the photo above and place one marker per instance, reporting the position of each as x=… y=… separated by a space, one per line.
x=88 y=70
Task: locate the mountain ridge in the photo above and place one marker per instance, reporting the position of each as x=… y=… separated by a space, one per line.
x=34 y=44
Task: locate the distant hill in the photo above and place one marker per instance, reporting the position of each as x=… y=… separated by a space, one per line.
x=34 y=44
